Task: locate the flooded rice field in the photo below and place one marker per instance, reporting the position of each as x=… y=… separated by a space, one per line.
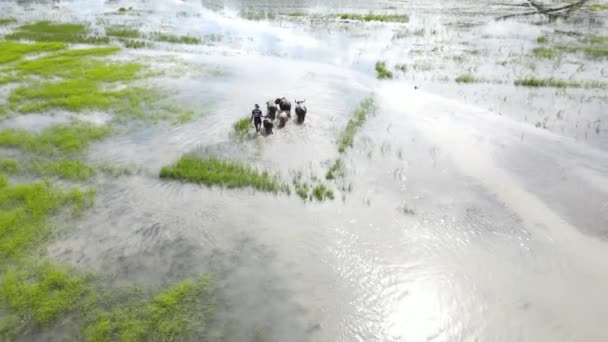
x=465 y=200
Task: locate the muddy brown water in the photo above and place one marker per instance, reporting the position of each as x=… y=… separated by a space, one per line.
x=465 y=221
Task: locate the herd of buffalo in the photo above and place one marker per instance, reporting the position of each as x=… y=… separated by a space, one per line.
x=280 y=110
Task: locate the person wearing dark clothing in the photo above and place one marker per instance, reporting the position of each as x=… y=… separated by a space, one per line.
x=256 y=117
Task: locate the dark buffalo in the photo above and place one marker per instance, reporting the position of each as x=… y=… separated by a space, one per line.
x=271 y=110
x=301 y=111
x=284 y=105
x=283 y=119
x=268 y=126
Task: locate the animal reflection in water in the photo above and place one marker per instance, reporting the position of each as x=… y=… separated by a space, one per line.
x=279 y=111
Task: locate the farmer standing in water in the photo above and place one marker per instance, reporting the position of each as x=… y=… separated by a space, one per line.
x=256 y=117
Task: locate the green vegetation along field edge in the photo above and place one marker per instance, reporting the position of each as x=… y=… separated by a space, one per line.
x=225 y=173
x=347 y=136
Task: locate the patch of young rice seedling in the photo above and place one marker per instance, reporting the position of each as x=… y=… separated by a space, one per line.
x=7 y=21
x=226 y=173
x=397 y=18
x=12 y=51
x=347 y=135
x=382 y=72
x=55 y=140
x=46 y=31
x=467 y=78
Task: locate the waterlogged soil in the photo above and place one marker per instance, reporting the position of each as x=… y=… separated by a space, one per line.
x=467 y=211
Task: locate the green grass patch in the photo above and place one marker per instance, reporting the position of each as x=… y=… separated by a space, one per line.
x=25 y=211
x=296 y=14
x=302 y=189
x=596 y=40
x=557 y=83
x=598 y=7
x=74 y=95
x=542 y=40
x=78 y=64
x=55 y=140
x=134 y=44
x=596 y=52
x=46 y=31
x=66 y=169
x=257 y=15
x=8 y=166
x=347 y=135
x=543 y=52
x=4 y=79
x=12 y=51
x=320 y=192
x=241 y=126
x=310 y=192
x=546 y=82
x=225 y=173
x=43 y=292
x=85 y=85
x=336 y=170
x=397 y=18
x=173 y=39
x=467 y=78
x=169 y=316
x=419 y=32
x=382 y=72
x=122 y=32
x=7 y=21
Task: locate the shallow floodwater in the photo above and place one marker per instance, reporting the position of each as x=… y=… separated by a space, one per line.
x=465 y=221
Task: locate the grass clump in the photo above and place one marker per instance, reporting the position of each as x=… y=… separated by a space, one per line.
x=12 y=51
x=321 y=192
x=8 y=166
x=336 y=170
x=241 y=126
x=598 y=7
x=302 y=189
x=84 y=86
x=25 y=210
x=543 y=52
x=72 y=95
x=212 y=171
x=542 y=40
x=134 y=44
x=66 y=169
x=257 y=16
x=596 y=40
x=43 y=292
x=53 y=32
x=7 y=21
x=55 y=140
x=546 y=82
x=382 y=72
x=169 y=316
x=347 y=136
x=397 y=18
x=163 y=37
x=122 y=32
x=77 y=65
x=296 y=14
x=467 y=78
x=596 y=52
x=310 y=192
